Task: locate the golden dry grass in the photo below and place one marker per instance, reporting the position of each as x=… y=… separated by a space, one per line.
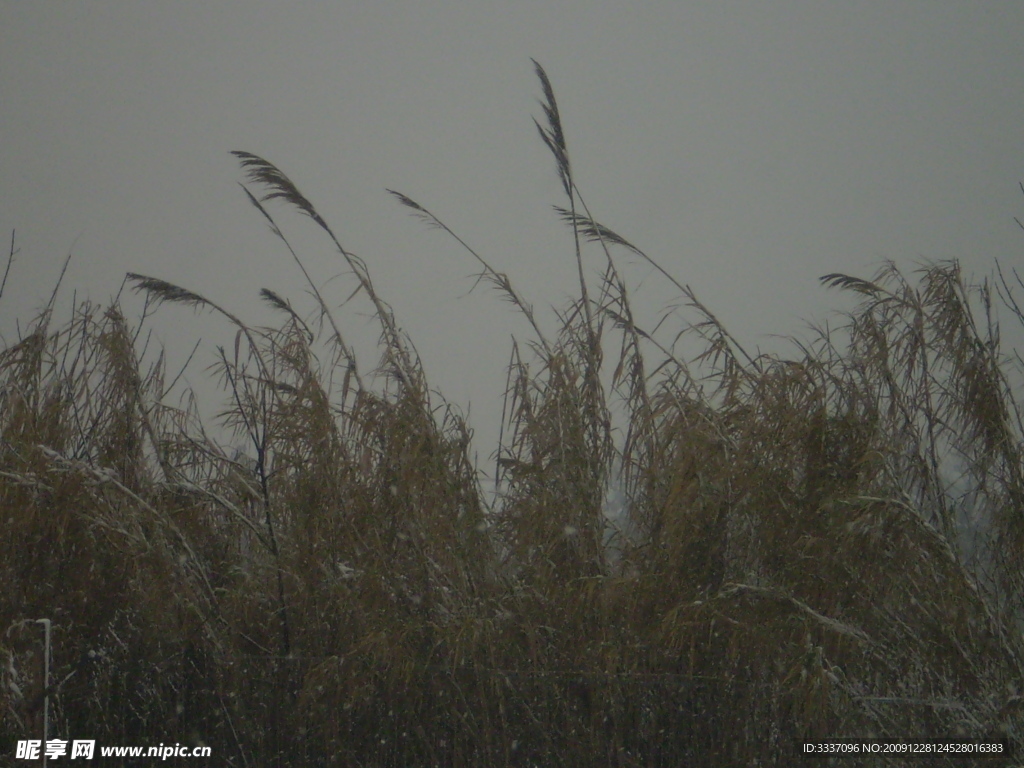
x=821 y=545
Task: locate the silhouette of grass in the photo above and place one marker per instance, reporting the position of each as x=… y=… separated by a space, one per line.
x=812 y=546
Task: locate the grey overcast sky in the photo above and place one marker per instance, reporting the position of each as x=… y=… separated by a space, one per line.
x=749 y=146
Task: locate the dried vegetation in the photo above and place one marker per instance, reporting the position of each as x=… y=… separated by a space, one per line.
x=815 y=545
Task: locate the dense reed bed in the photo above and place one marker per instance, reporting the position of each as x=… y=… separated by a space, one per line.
x=821 y=544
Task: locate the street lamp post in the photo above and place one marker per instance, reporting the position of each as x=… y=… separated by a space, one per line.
x=46 y=682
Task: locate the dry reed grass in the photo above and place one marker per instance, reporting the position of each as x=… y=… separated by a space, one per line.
x=821 y=545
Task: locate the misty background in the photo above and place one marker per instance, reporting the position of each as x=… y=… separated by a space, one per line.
x=749 y=148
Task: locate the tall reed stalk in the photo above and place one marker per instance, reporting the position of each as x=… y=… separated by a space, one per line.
x=816 y=544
